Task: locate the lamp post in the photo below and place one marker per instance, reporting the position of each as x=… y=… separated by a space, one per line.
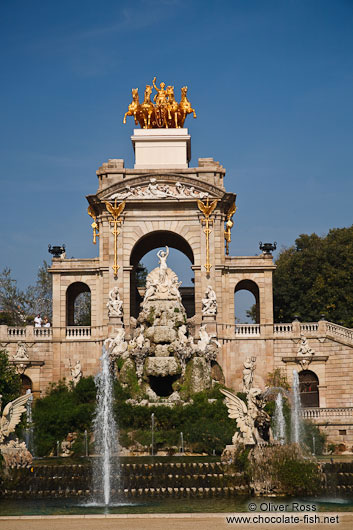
x=182 y=442
x=152 y=427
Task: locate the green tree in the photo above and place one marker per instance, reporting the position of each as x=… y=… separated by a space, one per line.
x=39 y=296
x=10 y=381
x=13 y=301
x=315 y=277
x=141 y=275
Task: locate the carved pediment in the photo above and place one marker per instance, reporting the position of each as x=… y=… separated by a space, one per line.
x=166 y=187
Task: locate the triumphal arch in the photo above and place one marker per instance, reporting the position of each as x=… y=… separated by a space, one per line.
x=161 y=328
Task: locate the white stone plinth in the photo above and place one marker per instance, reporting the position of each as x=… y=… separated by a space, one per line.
x=161 y=148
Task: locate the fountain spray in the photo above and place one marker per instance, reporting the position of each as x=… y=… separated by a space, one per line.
x=105 y=471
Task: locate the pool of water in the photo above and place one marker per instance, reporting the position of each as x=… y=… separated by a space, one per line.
x=47 y=506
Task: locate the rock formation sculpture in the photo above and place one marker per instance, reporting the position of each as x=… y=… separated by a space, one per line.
x=166 y=362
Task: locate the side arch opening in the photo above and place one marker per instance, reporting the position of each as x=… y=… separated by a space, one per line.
x=78 y=305
x=246 y=302
x=309 y=389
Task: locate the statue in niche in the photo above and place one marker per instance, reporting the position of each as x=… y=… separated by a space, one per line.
x=209 y=303
x=115 y=304
x=163 y=255
x=76 y=372
x=248 y=374
x=304 y=348
x=21 y=352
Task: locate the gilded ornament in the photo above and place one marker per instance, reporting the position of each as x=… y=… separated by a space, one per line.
x=165 y=112
x=207 y=210
x=229 y=226
x=115 y=212
x=94 y=225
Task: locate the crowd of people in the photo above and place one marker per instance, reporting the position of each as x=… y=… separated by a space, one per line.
x=41 y=323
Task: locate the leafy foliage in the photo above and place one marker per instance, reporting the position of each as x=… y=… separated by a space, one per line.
x=277 y=378
x=13 y=301
x=314 y=277
x=10 y=381
x=141 y=275
x=64 y=409
x=39 y=296
x=82 y=309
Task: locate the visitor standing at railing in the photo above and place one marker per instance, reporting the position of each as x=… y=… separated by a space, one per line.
x=46 y=322
x=38 y=321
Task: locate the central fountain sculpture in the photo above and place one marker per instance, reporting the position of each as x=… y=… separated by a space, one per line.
x=168 y=364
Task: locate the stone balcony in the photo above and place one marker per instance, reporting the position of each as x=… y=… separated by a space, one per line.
x=322 y=413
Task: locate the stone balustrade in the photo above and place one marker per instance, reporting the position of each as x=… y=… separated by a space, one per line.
x=26 y=333
x=279 y=329
x=314 y=413
x=336 y=331
x=309 y=327
x=78 y=332
x=247 y=329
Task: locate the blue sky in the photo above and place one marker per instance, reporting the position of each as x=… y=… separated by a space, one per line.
x=271 y=82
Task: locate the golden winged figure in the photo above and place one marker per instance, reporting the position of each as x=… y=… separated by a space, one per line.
x=231 y=211
x=115 y=210
x=207 y=208
x=11 y=415
x=91 y=212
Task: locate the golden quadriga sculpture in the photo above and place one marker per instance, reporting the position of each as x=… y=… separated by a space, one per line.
x=165 y=112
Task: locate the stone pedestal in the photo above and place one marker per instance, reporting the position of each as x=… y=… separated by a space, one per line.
x=115 y=323
x=161 y=148
x=210 y=320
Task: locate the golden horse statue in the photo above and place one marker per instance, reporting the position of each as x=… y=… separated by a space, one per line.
x=172 y=108
x=184 y=107
x=134 y=107
x=165 y=112
x=147 y=109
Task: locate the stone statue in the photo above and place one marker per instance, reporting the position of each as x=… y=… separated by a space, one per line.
x=115 y=304
x=21 y=353
x=163 y=255
x=209 y=303
x=252 y=421
x=15 y=453
x=76 y=372
x=248 y=374
x=206 y=339
x=117 y=346
x=11 y=415
x=304 y=348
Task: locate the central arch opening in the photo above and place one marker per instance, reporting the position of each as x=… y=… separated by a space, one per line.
x=143 y=259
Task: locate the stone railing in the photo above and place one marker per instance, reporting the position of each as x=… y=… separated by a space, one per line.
x=312 y=413
x=27 y=332
x=247 y=329
x=42 y=332
x=309 y=327
x=339 y=331
x=16 y=332
x=278 y=329
x=78 y=332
